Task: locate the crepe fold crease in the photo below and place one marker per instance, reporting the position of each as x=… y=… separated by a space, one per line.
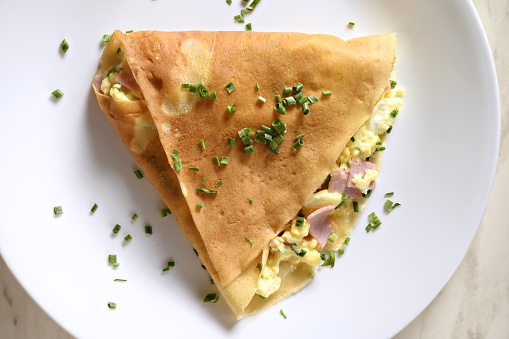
x=169 y=118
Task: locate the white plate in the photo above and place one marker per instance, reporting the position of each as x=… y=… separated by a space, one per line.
x=440 y=161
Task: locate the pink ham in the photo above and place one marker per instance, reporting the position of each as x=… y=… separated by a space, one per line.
x=98 y=80
x=341 y=182
x=388 y=86
x=126 y=78
x=321 y=226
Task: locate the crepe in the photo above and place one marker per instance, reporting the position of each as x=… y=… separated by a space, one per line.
x=230 y=233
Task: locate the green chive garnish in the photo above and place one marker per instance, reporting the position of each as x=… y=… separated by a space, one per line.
x=203 y=181
x=199 y=205
x=355 y=206
x=116 y=228
x=352 y=139
x=249 y=27
x=387 y=195
x=297 y=87
x=272 y=145
x=57 y=210
x=195 y=252
x=330 y=261
x=209 y=191
x=368 y=194
x=219 y=183
x=379 y=149
x=130 y=31
x=224 y=160
x=248 y=149
x=203 y=92
x=250 y=200
x=282 y=313
x=112 y=258
x=57 y=93
x=298 y=144
x=280 y=108
x=230 y=87
x=246 y=140
x=177 y=165
x=300 y=136
x=278 y=99
x=212 y=282
x=351 y=23
x=262 y=99
x=202 y=266
x=368 y=228
x=312 y=99
x=202 y=143
x=326 y=93
x=374 y=219
x=343 y=199
x=262 y=297
x=148 y=229
x=94 y=208
x=256 y=86
x=239 y=19
x=252 y=5
x=106 y=38
x=163 y=212
x=279 y=125
x=120 y=280
x=259 y=267
x=231 y=109
x=305 y=108
x=392 y=82
x=112 y=305
x=128 y=238
x=216 y=161
x=134 y=217
x=231 y=141
x=213 y=95
x=194 y=169
x=193 y=89
x=229 y=2
x=287 y=90
x=64 y=46
x=379 y=142
x=299 y=221
x=185 y=85
x=112 y=69
x=279 y=139
x=394 y=113
x=175 y=154
x=341 y=251
x=389 y=129
x=249 y=240
x=332 y=237
x=211 y=298
x=347 y=241
x=138 y=174
x=289 y=101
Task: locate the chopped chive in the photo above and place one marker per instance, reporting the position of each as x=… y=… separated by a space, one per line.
x=57 y=93
x=202 y=143
x=276 y=151
x=203 y=181
x=166 y=269
x=224 y=160
x=219 y=183
x=202 y=266
x=297 y=96
x=138 y=174
x=392 y=82
x=171 y=264
x=279 y=139
x=116 y=265
x=249 y=27
x=305 y=108
x=128 y=238
x=248 y=149
x=297 y=87
x=352 y=139
x=389 y=129
x=247 y=140
x=272 y=145
x=163 y=212
x=267 y=136
x=120 y=280
x=216 y=161
x=343 y=199
x=194 y=169
x=231 y=109
x=231 y=141
x=341 y=251
x=299 y=221
x=300 y=136
x=289 y=101
x=312 y=99
x=259 y=267
x=278 y=99
x=387 y=195
x=211 y=298
x=112 y=69
x=203 y=92
x=355 y=206
x=130 y=31
x=257 y=87
x=209 y=191
x=323 y=256
x=64 y=45
x=250 y=200
x=175 y=154
x=379 y=142
x=248 y=240
x=379 y=149
x=303 y=100
x=282 y=313
x=193 y=89
x=57 y=210
x=330 y=261
x=94 y=208
x=185 y=85
x=262 y=297
x=212 y=282
x=368 y=228
x=368 y=158
x=116 y=228
x=148 y=229
x=262 y=99
x=326 y=93
x=279 y=125
x=106 y=38
x=195 y=252
x=327 y=181
x=112 y=258
x=199 y=205
x=121 y=69
x=351 y=23
x=213 y=95
x=230 y=87
x=229 y=2
x=396 y=204
x=347 y=164
x=287 y=90
x=332 y=237
x=245 y=132
x=177 y=165
x=347 y=241
x=368 y=194
x=252 y=5
x=394 y=113
x=239 y=19
x=374 y=219
x=134 y=217
x=298 y=144
x=118 y=50
x=112 y=305
x=280 y=108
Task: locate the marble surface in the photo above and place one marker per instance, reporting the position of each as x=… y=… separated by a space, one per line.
x=473 y=304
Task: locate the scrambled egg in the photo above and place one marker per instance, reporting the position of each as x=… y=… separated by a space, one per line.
x=292 y=242
x=118 y=92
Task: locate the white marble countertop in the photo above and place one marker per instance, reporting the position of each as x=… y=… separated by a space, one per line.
x=473 y=304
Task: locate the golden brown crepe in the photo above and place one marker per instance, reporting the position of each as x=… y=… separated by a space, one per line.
x=169 y=117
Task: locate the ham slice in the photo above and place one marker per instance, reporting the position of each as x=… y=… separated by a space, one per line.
x=321 y=226
x=126 y=78
x=98 y=80
x=341 y=182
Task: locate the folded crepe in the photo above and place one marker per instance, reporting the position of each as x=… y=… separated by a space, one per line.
x=261 y=217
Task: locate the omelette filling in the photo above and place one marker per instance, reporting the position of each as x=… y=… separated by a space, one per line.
x=321 y=225
x=119 y=82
